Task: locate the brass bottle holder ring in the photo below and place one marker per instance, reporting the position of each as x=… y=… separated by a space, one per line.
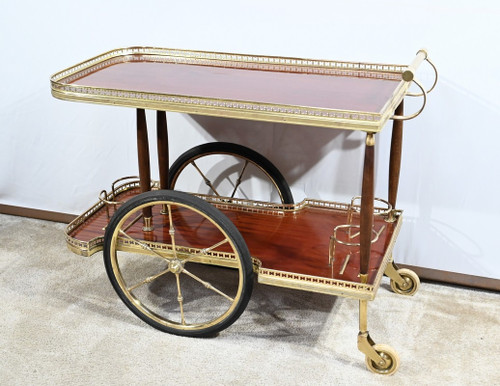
x=334 y=239
x=378 y=211
x=348 y=230
x=109 y=199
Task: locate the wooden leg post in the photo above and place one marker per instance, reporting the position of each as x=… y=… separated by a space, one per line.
x=404 y=285
x=162 y=138
x=395 y=160
x=367 y=197
x=144 y=167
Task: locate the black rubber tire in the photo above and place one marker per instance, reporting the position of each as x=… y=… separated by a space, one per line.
x=190 y=202
x=234 y=150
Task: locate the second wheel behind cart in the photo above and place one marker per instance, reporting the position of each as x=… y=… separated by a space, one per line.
x=229 y=170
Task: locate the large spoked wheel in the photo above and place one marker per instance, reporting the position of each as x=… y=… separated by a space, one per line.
x=191 y=275
x=229 y=170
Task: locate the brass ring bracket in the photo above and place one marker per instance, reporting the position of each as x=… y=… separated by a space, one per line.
x=109 y=198
x=128 y=178
x=416 y=114
x=380 y=211
x=104 y=197
x=347 y=230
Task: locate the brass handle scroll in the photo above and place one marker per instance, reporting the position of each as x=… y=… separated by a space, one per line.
x=408 y=75
x=411 y=116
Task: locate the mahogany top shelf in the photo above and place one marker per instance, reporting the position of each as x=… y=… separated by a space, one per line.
x=346 y=95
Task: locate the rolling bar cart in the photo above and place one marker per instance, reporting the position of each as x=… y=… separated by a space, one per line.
x=183 y=259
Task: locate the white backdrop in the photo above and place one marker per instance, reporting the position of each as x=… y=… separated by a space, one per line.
x=57 y=155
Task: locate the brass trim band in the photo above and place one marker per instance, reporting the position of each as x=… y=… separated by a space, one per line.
x=321 y=117
x=265 y=275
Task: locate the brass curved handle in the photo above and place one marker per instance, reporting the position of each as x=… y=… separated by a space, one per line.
x=413 y=94
x=409 y=73
x=411 y=116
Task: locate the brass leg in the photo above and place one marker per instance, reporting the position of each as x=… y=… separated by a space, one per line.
x=365 y=342
x=379 y=358
x=365 y=345
x=148 y=224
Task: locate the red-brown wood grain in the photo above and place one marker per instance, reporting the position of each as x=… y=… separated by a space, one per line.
x=295 y=242
x=94 y=225
x=310 y=90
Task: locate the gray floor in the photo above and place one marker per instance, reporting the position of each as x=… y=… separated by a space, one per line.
x=62 y=323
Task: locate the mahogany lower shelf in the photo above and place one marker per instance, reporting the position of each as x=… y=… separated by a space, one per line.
x=289 y=244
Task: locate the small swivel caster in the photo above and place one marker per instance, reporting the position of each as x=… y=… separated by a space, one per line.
x=390 y=363
x=379 y=358
x=403 y=281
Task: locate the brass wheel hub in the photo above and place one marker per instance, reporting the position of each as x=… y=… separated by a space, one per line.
x=385 y=362
x=175 y=266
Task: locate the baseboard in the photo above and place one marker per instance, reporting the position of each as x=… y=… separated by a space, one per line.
x=436 y=275
x=37 y=213
x=426 y=274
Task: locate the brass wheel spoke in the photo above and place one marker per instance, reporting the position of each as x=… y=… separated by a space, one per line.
x=207 y=181
x=238 y=181
x=133 y=222
x=204 y=251
x=172 y=231
x=207 y=284
x=145 y=246
x=180 y=298
x=148 y=280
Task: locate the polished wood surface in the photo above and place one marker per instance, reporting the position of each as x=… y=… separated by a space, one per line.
x=296 y=242
x=395 y=158
x=424 y=273
x=94 y=226
x=310 y=90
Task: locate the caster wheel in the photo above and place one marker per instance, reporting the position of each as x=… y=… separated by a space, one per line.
x=390 y=356
x=412 y=283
